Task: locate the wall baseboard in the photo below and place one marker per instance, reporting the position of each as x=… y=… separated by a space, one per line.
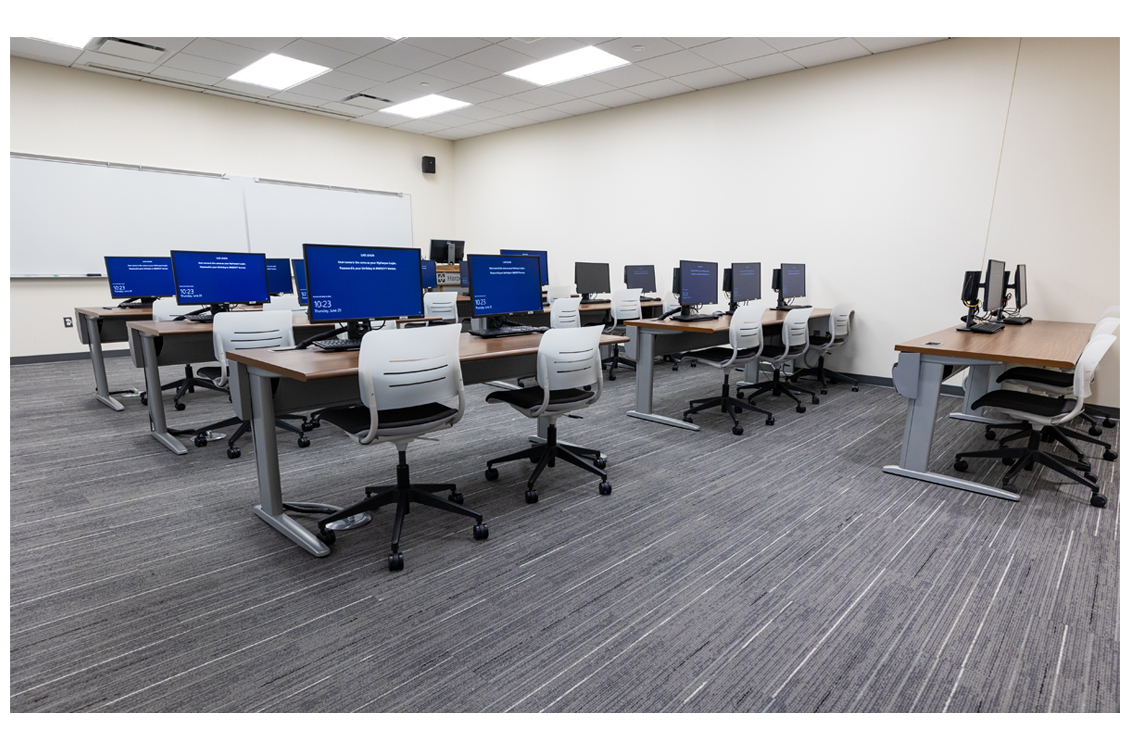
x=40 y=359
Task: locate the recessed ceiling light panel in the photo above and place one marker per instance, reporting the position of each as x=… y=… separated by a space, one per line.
x=575 y=64
x=77 y=42
x=426 y=106
x=278 y=72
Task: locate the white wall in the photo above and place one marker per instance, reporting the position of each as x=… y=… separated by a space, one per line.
x=62 y=112
x=877 y=172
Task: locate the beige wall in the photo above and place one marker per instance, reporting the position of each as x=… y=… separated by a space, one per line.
x=62 y=112
x=877 y=172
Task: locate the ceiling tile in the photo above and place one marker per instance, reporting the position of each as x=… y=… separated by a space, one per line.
x=450 y=119
x=168 y=43
x=498 y=58
x=369 y=105
x=785 y=43
x=652 y=47
x=504 y=85
x=676 y=63
x=425 y=83
x=494 y=39
x=392 y=92
x=878 y=44
x=578 y=107
x=660 y=89
x=44 y=51
x=174 y=84
x=454 y=134
x=186 y=75
x=423 y=127
x=406 y=56
x=543 y=49
x=478 y=113
x=507 y=105
x=131 y=76
x=346 y=109
x=544 y=96
x=759 y=67
x=459 y=71
x=367 y=67
x=358 y=45
x=319 y=54
x=592 y=41
x=471 y=94
x=706 y=79
x=245 y=88
x=485 y=127
x=450 y=46
x=320 y=90
x=828 y=52
x=214 y=49
x=626 y=75
x=261 y=43
x=513 y=121
x=346 y=81
x=619 y=98
x=545 y=114
x=734 y=50
x=292 y=98
x=687 y=42
x=112 y=61
x=587 y=86
x=381 y=118
x=185 y=61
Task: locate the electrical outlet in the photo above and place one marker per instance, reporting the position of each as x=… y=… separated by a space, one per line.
x=68 y=323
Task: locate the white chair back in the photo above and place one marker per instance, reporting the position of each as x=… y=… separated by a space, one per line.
x=442 y=304
x=626 y=306
x=840 y=324
x=794 y=331
x=1085 y=368
x=1105 y=327
x=403 y=367
x=670 y=302
x=570 y=358
x=248 y=330
x=1114 y=311
x=165 y=309
x=283 y=302
x=745 y=330
x=558 y=291
x=565 y=312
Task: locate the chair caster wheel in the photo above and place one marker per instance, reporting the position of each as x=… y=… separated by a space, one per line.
x=855 y=389
x=960 y=465
x=687 y=419
x=456 y=497
x=233 y=452
x=303 y=441
x=770 y=421
x=738 y=430
x=491 y=474
x=600 y=463
x=693 y=364
x=606 y=488
x=737 y=410
x=1109 y=455
x=179 y=406
x=800 y=410
x=815 y=400
x=611 y=377
x=990 y=435
x=1010 y=488
x=533 y=460
x=1008 y=461
x=1098 y=501
x=144 y=400
x=200 y=441
x=1090 y=477
x=823 y=391
x=1108 y=422
x=531 y=496
x=309 y=425
x=395 y=562
x=675 y=368
x=480 y=532
x=1095 y=430
x=326 y=535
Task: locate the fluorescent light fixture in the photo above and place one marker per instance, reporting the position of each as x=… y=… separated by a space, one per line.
x=426 y=106
x=575 y=64
x=278 y=72
x=78 y=42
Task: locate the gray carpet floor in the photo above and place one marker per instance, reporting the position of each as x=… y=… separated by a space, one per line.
x=778 y=571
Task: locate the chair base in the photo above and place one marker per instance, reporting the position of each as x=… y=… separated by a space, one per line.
x=822 y=374
x=200 y=440
x=615 y=361
x=403 y=494
x=778 y=387
x=727 y=405
x=546 y=454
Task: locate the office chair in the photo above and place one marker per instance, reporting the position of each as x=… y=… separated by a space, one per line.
x=250 y=330
x=565 y=312
x=745 y=345
x=839 y=328
x=283 y=302
x=568 y=361
x=1050 y=414
x=210 y=378
x=794 y=343
x=558 y=291
x=671 y=304
x=443 y=305
x=625 y=306
x=405 y=375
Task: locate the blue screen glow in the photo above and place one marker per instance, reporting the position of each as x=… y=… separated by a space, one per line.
x=541 y=255
x=218 y=278
x=359 y=283
x=300 y=280
x=699 y=280
x=278 y=276
x=428 y=274
x=745 y=282
x=502 y=285
x=640 y=277
x=140 y=277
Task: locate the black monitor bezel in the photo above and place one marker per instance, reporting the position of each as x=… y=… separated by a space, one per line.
x=291 y=275
x=607 y=278
x=734 y=297
x=683 y=275
x=138 y=257
x=996 y=305
x=202 y=303
x=310 y=297
x=471 y=288
x=1020 y=282
x=654 y=285
x=433 y=247
x=543 y=261
x=294 y=270
x=422 y=262
x=804 y=276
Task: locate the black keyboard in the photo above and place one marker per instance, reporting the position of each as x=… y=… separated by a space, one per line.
x=691 y=318
x=199 y=318
x=1016 y=321
x=133 y=305
x=986 y=327
x=508 y=331
x=338 y=345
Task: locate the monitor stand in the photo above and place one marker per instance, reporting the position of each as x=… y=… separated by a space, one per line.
x=354 y=329
x=686 y=316
x=784 y=307
x=138 y=302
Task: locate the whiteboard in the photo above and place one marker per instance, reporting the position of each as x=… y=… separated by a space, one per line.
x=282 y=216
x=66 y=216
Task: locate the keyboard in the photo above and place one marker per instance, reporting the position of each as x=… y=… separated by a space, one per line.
x=199 y=318
x=133 y=305
x=986 y=327
x=508 y=331
x=690 y=318
x=1016 y=321
x=338 y=345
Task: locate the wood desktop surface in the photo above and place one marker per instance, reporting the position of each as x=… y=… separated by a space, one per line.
x=585 y=305
x=1041 y=343
x=175 y=327
x=138 y=313
x=312 y=364
x=721 y=323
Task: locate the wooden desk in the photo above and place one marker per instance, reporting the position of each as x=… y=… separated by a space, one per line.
x=316 y=379
x=98 y=325
x=654 y=338
x=926 y=361
x=591 y=312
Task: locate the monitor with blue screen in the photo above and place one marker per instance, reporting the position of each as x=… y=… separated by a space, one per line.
x=218 y=280
x=640 y=277
x=278 y=276
x=745 y=283
x=698 y=283
x=542 y=255
x=348 y=283
x=140 y=278
x=428 y=274
x=300 y=280
x=504 y=285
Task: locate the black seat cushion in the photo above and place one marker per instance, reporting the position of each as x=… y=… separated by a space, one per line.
x=1036 y=375
x=354 y=419
x=209 y=372
x=819 y=339
x=719 y=353
x=528 y=398
x=1031 y=403
x=770 y=351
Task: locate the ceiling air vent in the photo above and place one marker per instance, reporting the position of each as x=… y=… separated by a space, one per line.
x=365 y=100
x=132 y=50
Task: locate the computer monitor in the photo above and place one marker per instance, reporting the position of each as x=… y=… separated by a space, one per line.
x=354 y=285
x=698 y=283
x=140 y=278
x=640 y=277
x=542 y=255
x=1020 y=284
x=504 y=285
x=746 y=282
x=994 y=287
x=428 y=274
x=218 y=280
x=789 y=282
x=676 y=283
x=300 y=280
x=278 y=276
x=446 y=251
x=463 y=273
x=591 y=278
x=970 y=296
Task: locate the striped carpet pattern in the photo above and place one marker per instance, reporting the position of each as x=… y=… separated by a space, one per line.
x=778 y=571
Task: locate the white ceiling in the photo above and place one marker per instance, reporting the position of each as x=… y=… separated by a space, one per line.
x=466 y=68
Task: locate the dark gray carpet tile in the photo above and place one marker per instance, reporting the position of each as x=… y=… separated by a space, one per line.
x=776 y=571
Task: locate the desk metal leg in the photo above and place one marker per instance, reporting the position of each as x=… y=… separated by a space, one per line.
x=102 y=394
x=645 y=376
x=157 y=425
x=919 y=434
x=978 y=382
x=270 y=507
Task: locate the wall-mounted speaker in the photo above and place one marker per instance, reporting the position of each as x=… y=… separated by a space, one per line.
x=429 y=165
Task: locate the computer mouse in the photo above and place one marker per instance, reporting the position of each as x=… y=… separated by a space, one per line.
x=718 y=313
